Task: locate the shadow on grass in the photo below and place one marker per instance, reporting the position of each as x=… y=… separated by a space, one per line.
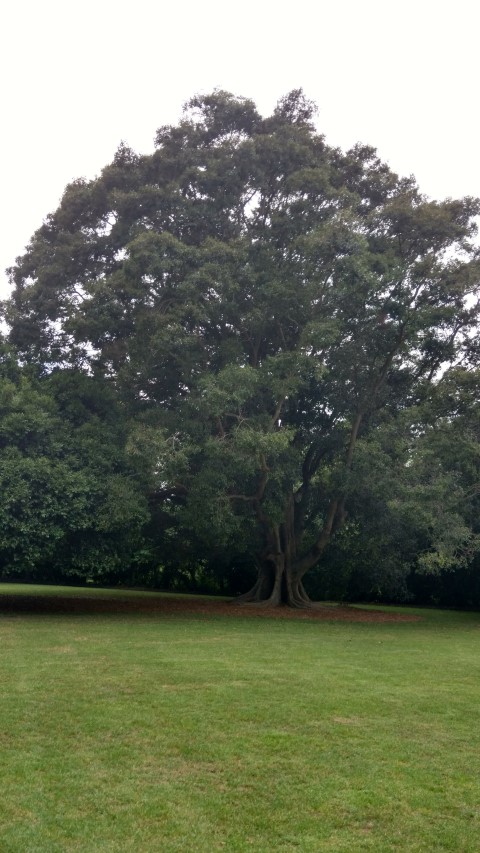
x=38 y=604
x=172 y=605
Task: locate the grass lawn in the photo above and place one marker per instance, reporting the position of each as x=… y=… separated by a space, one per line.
x=132 y=731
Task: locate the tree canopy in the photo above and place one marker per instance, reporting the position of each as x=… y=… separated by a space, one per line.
x=262 y=306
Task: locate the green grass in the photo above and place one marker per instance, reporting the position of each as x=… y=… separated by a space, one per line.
x=142 y=733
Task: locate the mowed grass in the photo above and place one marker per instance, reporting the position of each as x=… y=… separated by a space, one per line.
x=142 y=733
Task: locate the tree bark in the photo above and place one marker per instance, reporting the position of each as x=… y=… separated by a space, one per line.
x=276 y=584
x=279 y=580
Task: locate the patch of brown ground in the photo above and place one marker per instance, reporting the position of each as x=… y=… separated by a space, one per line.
x=184 y=606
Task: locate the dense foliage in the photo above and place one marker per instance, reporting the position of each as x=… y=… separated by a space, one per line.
x=279 y=342
x=71 y=503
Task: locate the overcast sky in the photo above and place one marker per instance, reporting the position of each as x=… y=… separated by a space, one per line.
x=77 y=78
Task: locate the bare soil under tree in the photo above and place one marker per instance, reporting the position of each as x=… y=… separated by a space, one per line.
x=184 y=606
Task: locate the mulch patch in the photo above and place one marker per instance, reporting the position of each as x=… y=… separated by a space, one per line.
x=184 y=606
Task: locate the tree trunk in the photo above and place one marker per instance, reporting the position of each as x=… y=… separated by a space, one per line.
x=280 y=570
x=277 y=583
x=267 y=588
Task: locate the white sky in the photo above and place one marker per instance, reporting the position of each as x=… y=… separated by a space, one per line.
x=79 y=77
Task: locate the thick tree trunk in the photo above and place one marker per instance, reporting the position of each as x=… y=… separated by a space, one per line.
x=280 y=570
x=267 y=590
x=277 y=583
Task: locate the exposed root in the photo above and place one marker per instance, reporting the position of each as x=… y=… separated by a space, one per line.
x=264 y=594
x=296 y=603
x=250 y=597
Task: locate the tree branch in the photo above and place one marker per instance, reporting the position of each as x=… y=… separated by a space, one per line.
x=277 y=412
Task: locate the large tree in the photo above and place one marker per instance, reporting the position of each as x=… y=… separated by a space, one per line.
x=261 y=301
